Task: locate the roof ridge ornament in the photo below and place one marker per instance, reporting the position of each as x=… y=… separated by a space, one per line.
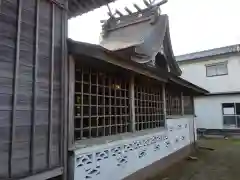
x=121 y=20
x=142 y=36
x=149 y=5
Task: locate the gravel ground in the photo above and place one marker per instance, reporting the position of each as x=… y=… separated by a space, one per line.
x=221 y=164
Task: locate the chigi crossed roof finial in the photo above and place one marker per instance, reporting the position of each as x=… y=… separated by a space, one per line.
x=149 y=4
x=151 y=8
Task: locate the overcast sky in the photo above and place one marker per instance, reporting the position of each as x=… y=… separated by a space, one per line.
x=195 y=25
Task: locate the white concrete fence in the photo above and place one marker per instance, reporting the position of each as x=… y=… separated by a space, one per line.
x=119 y=159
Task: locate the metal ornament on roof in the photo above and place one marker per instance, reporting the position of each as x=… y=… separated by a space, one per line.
x=141 y=33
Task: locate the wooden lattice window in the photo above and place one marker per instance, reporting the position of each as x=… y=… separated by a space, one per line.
x=101 y=104
x=148 y=107
x=173 y=102
x=188 y=105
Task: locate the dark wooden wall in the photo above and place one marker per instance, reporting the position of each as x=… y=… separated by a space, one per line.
x=32 y=47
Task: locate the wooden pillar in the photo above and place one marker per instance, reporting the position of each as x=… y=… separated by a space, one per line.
x=194 y=123
x=0 y=5
x=15 y=88
x=164 y=103
x=132 y=103
x=192 y=100
x=64 y=93
x=71 y=102
x=182 y=104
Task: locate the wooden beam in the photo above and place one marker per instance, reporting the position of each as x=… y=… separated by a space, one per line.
x=128 y=10
x=91 y=5
x=147 y=3
x=137 y=7
x=161 y=3
x=77 y=4
x=95 y=3
x=110 y=11
x=119 y=13
x=59 y=4
x=84 y=4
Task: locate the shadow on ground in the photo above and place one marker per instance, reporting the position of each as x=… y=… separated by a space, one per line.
x=221 y=164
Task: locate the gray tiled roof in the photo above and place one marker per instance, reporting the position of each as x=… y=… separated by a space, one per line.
x=208 y=53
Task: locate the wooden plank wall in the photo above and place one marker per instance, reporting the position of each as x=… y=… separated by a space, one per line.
x=31 y=46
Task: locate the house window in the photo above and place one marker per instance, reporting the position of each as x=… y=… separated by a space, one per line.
x=148 y=107
x=231 y=114
x=216 y=69
x=188 y=105
x=173 y=102
x=101 y=104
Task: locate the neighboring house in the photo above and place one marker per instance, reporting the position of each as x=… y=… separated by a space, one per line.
x=218 y=71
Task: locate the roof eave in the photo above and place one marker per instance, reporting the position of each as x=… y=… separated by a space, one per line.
x=187 y=84
x=79 y=7
x=101 y=53
x=233 y=49
x=98 y=52
x=205 y=57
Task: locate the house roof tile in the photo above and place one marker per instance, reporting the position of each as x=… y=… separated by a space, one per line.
x=209 y=53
